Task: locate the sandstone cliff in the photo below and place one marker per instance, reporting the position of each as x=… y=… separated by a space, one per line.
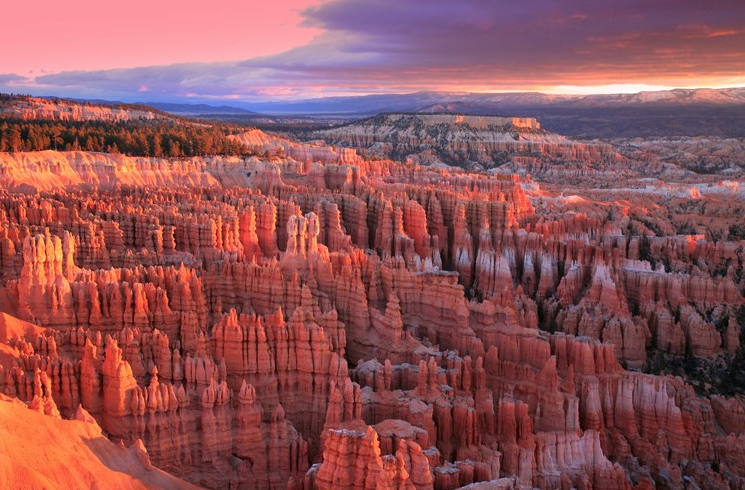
x=317 y=319
x=466 y=141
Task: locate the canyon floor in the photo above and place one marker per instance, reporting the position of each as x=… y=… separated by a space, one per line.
x=343 y=312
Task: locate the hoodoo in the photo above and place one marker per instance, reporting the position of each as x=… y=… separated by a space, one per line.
x=302 y=316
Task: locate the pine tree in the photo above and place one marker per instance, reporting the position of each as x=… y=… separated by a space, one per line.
x=56 y=133
x=3 y=137
x=15 y=143
x=157 y=148
x=175 y=149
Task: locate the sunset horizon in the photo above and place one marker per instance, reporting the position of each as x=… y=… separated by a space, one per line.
x=302 y=49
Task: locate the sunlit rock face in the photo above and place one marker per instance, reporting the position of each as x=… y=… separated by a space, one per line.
x=30 y=108
x=474 y=142
x=315 y=319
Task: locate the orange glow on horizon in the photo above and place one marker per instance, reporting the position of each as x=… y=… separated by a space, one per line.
x=248 y=50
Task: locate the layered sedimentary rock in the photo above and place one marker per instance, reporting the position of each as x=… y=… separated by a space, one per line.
x=66 y=110
x=318 y=320
x=462 y=140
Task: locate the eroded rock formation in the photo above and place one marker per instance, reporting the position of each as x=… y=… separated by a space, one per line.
x=318 y=320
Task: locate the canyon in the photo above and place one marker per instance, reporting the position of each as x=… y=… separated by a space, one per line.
x=313 y=316
x=469 y=141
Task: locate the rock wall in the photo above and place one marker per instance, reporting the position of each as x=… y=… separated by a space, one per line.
x=306 y=323
x=482 y=142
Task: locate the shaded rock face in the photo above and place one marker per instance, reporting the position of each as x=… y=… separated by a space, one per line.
x=336 y=322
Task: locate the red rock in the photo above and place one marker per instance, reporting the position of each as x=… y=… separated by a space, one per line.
x=398 y=326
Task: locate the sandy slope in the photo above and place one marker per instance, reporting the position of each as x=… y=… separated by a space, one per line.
x=42 y=452
x=13 y=327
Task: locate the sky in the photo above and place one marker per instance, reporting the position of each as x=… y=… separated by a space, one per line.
x=232 y=50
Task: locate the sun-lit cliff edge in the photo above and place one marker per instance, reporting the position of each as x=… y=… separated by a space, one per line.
x=469 y=141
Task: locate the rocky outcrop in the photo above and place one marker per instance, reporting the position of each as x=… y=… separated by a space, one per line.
x=28 y=108
x=322 y=320
x=461 y=140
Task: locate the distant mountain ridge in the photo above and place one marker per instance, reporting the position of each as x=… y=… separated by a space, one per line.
x=440 y=101
x=199 y=109
x=678 y=112
x=433 y=101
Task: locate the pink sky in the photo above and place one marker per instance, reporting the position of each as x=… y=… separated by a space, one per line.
x=148 y=50
x=59 y=35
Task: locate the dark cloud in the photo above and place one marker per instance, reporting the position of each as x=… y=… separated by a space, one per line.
x=394 y=45
x=544 y=41
x=11 y=78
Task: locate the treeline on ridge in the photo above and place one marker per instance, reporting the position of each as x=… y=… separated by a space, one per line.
x=153 y=138
x=6 y=99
